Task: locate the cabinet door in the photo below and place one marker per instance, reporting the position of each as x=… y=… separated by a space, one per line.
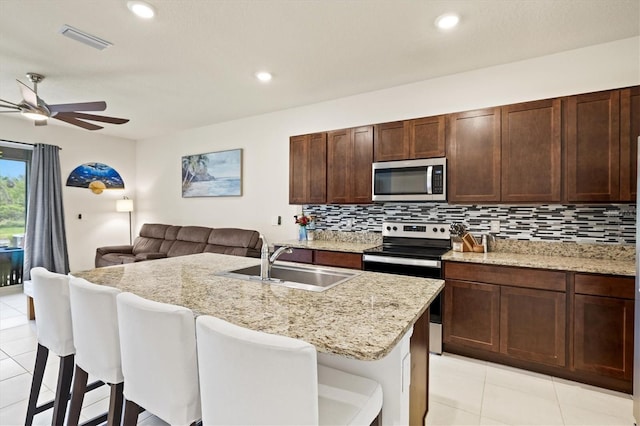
x=603 y=336
x=472 y=315
x=593 y=147
x=473 y=146
x=360 y=167
x=317 y=180
x=390 y=142
x=532 y=325
x=531 y=151
x=426 y=137
x=629 y=132
x=339 y=148
x=298 y=169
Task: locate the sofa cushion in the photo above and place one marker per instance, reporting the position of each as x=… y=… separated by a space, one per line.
x=234 y=237
x=190 y=240
x=154 y=230
x=146 y=245
x=169 y=238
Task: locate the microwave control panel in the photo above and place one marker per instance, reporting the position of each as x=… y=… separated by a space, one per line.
x=438 y=180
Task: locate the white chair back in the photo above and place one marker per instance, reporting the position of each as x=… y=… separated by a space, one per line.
x=95 y=329
x=252 y=378
x=159 y=359
x=51 y=300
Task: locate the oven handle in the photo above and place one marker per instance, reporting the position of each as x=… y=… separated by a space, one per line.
x=401 y=261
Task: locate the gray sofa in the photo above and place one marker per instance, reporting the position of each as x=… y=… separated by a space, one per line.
x=157 y=241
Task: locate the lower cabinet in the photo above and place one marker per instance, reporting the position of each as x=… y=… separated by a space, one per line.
x=323 y=257
x=573 y=325
x=603 y=325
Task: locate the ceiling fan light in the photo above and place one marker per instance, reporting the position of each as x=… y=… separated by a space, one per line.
x=264 y=76
x=32 y=115
x=141 y=9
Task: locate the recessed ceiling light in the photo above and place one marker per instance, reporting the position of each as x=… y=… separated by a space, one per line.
x=141 y=9
x=263 y=76
x=447 y=21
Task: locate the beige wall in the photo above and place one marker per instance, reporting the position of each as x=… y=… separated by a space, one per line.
x=100 y=223
x=265 y=138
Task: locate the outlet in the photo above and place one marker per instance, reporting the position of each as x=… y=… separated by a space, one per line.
x=276 y=221
x=350 y=223
x=495 y=226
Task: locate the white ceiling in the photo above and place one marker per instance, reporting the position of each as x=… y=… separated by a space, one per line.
x=193 y=64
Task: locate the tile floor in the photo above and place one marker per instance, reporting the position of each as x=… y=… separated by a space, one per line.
x=463 y=391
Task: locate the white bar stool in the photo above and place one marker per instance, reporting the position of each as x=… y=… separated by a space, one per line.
x=95 y=332
x=159 y=360
x=249 y=377
x=53 y=328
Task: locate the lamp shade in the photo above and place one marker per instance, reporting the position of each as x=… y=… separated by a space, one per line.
x=124 y=205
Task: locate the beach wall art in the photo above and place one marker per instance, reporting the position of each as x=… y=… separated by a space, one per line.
x=95 y=176
x=215 y=174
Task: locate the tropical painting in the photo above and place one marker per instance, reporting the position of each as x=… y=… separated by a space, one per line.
x=216 y=174
x=95 y=176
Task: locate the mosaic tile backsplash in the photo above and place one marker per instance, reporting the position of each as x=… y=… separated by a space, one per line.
x=605 y=223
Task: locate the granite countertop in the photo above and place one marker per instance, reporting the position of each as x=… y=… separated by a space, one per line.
x=363 y=318
x=563 y=263
x=344 y=246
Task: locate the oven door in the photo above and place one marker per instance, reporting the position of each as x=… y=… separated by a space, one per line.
x=425 y=268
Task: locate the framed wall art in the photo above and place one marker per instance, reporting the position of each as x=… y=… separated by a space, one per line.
x=215 y=174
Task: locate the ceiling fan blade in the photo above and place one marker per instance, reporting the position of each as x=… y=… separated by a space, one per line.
x=81 y=106
x=28 y=94
x=12 y=111
x=79 y=123
x=9 y=103
x=40 y=122
x=104 y=119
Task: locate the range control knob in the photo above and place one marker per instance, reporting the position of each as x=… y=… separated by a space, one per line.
x=442 y=230
x=395 y=228
x=388 y=228
x=435 y=229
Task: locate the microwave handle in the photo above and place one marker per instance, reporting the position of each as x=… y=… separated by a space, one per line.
x=429 y=179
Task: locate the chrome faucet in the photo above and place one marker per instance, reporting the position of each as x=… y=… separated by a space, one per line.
x=266 y=261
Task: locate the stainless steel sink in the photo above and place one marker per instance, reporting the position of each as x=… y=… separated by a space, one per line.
x=301 y=277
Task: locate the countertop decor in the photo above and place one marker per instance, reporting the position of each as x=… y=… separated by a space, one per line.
x=363 y=318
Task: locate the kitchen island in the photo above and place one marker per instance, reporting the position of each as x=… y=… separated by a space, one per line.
x=363 y=325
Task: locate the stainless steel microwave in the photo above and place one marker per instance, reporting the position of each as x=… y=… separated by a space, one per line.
x=410 y=180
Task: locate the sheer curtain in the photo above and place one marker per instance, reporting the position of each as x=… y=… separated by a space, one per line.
x=45 y=240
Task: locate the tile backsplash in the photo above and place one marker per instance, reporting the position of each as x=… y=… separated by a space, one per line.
x=603 y=223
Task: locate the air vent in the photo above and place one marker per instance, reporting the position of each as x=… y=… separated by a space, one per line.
x=82 y=37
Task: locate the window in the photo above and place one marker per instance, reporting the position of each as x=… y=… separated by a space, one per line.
x=14 y=180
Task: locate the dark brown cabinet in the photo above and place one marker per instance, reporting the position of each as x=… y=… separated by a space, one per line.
x=629 y=133
x=532 y=325
x=516 y=313
x=472 y=315
x=410 y=139
x=473 y=149
x=593 y=147
x=603 y=325
x=308 y=169
x=323 y=257
x=531 y=152
x=349 y=159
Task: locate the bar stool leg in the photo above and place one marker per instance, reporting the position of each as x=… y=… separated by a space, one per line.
x=36 y=383
x=131 y=411
x=77 y=396
x=115 y=404
x=62 y=390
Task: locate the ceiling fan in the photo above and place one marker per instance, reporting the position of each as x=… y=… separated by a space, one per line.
x=38 y=110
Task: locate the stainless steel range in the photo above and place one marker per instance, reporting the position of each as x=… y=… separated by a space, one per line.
x=416 y=249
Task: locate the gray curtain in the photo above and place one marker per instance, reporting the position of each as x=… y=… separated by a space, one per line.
x=45 y=240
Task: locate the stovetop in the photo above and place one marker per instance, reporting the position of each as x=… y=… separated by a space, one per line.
x=413 y=240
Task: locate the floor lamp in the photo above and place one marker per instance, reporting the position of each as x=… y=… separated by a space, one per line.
x=126 y=205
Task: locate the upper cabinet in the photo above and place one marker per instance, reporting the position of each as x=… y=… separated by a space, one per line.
x=629 y=133
x=473 y=147
x=349 y=159
x=410 y=139
x=593 y=147
x=308 y=169
x=531 y=152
